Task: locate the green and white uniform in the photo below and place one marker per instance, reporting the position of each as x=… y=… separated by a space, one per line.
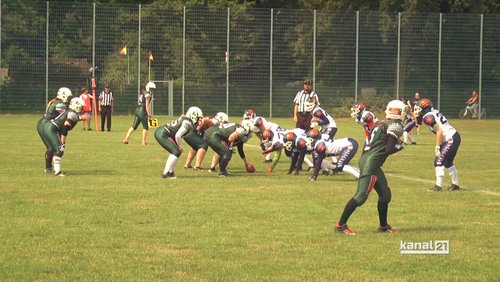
x=217 y=137
x=384 y=141
x=141 y=114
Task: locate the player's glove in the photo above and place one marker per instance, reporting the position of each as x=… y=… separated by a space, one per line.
x=61 y=147
x=400 y=146
x=437 y=151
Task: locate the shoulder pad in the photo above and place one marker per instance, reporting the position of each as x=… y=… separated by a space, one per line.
x=395 y=129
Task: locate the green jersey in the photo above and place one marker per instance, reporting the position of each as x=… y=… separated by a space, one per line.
x=55 y=109
x=376 y=151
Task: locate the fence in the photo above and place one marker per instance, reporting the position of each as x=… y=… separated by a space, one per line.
x=231 y=59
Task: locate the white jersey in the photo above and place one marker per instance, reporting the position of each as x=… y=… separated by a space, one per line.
x=337 y=146
x=435 y=120
x=323 y=118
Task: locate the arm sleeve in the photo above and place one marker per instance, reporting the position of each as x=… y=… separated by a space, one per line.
x=390 y=146
x=240 y=150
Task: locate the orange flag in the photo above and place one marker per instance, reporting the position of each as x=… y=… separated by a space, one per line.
x=123 y=51
x=150 y=56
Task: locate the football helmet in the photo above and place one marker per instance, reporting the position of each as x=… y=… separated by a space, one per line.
x=150 y=86
x=64 y=94
x=423 y=107
x=249 y=114
x=76 y=104
x=221 y=117
x=247 y=125
x=195 y=114
x=313 y=133
x=357 y=109
x=396 y=109
x=267 y=135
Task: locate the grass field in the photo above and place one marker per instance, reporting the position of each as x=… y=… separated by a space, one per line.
x=114 y=218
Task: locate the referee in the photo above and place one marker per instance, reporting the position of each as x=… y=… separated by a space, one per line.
x=301 y=117
x=106 y=107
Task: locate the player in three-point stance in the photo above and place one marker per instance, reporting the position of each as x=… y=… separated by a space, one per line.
x=170 y=137
x=447 y=143
x=384 y=141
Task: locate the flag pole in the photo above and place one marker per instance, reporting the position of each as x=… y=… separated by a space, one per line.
x=149 y=70
x=128 y=69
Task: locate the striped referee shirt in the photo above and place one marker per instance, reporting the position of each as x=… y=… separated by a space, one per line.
x=106 y=98
x=302 y=97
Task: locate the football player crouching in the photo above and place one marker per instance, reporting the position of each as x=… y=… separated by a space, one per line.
x=344 y=149
x=223 y=138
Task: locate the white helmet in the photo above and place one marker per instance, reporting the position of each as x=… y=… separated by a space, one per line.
x=396 y=109
x=64 y=94
x=222 y=117
x=76 y=104
x=195 y=114
x=247 y=124
x=150 y=86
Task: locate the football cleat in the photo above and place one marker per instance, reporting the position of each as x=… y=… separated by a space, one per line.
x=454 y=187
x=198 y=168
x=60 y=173
x=343 y=229
x=326 y=172
x=125 y=141
x=169 y=175
x=387 y=229
x=435 y=189
x=188 y=166
x=223 y=174
x=312 y=178
x=48 y=170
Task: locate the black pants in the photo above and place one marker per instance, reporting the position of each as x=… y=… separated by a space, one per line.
x=106 y=116
x=304 y=120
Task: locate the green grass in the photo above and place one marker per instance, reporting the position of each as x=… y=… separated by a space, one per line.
x=114 y=218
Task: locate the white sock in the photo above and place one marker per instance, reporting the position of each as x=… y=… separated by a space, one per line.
x=308 y=162
x=439 y=175
x=268 y=157
x=452 y=171
x=351 y=170
x=405 y=136
x=57 y=164
x=171 y=162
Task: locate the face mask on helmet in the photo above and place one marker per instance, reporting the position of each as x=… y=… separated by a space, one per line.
x=396 y=109
x=357 y=109
x=222 y=117
x=76 y=105
x=195 y=114
x=150 y=86
x=424 y=106
x=64 y=94
x=249 y=114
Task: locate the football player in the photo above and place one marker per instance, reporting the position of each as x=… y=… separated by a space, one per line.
x=411 y=121
x=344 y=149
x=171 y=134
x=364 y=117
x=142 y=113
x=384 y=141
x=198 y=145
x=223 y=138
x=447 y=143
x=54 y=133
x=322 y=118
x=55 y=107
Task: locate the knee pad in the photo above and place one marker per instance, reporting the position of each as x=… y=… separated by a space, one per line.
x=440 y=171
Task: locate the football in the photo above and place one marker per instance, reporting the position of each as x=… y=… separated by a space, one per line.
x=250 y=168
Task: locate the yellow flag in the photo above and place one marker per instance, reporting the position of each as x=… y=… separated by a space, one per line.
x=150 y=56
x=123 y=51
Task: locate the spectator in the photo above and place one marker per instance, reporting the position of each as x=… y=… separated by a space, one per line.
x=87 y=108
x=473 y=103
x=301 y=116
x=106 y=107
